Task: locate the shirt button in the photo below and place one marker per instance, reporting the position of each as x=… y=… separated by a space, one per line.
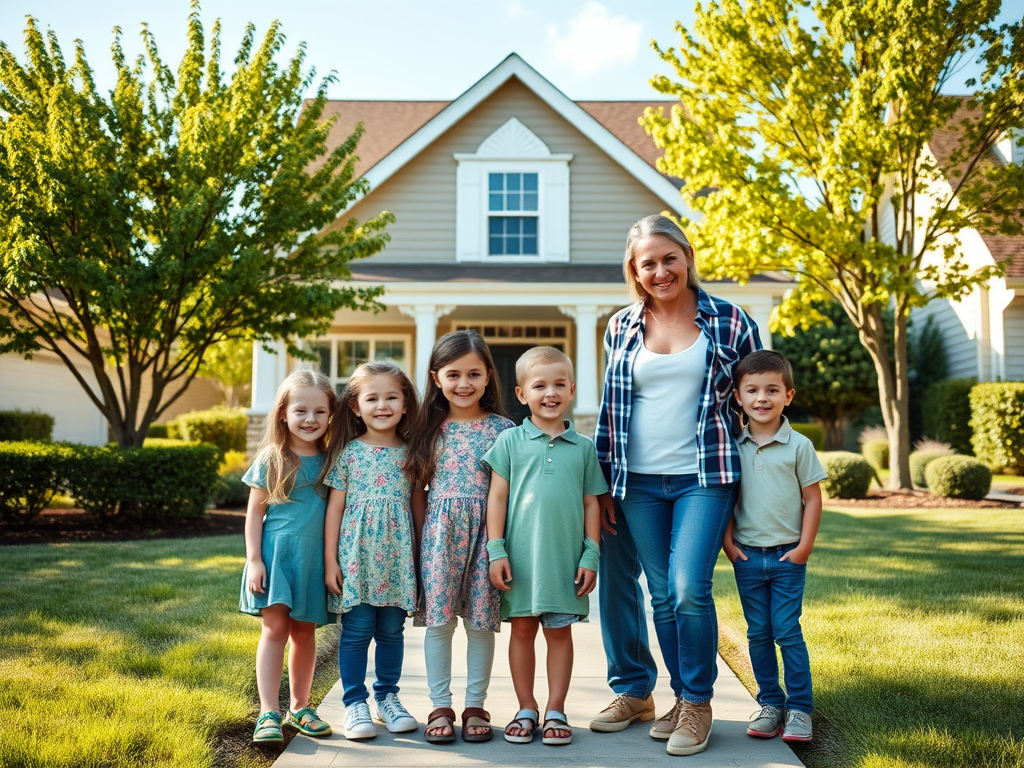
x=549 y=461
x=551 y=445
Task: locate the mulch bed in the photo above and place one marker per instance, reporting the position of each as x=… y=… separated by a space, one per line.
x=74 y=525
x=882 y=499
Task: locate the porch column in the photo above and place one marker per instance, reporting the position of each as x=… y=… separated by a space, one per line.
x=268 y=371
x=587 y=390
x=426 y=316
x=760 y=312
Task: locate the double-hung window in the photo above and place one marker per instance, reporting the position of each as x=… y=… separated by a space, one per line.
x=512 y=214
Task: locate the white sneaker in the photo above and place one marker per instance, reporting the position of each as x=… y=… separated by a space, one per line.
x=358 y=724
x=393 y=715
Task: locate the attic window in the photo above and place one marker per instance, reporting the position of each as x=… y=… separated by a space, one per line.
x=512 y=214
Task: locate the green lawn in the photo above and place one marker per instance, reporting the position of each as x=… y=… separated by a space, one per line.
x=915 y=624
x=126 y=654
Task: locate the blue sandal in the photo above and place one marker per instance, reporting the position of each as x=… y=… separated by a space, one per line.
x=525 y=720
x=268 y=729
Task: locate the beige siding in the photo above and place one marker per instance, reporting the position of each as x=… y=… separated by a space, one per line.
x=604 y=198
x=1013 y=334
x=200 y=395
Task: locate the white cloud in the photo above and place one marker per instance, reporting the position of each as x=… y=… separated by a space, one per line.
x=595 y=40
x=516 y=10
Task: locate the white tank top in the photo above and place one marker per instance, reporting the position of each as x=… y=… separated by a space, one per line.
x=666 y=399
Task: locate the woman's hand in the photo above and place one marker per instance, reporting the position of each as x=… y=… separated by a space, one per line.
x=607 y=513
x=257 y=577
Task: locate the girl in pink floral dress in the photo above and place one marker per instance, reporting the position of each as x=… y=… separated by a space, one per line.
x=459 y=422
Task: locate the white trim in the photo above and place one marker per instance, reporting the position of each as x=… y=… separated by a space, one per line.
x=514 y=66
x=371 y=337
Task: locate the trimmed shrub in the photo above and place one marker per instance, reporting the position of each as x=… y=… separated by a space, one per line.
x=849 y=475
x=876 y=452
x=230 y=491
x=919 y=461
x=813 y=432
x=25 y=425
x=223 y=427
x=173 y=430
x=958 y=477
x=946 y=413
x=161 y=481
x=997 y=421
x=30 y=475
x=158 y=431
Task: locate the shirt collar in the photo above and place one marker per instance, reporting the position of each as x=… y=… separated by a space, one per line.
x=533 y=431
x=781 y=436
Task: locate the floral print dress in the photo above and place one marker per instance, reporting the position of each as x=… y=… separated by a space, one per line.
x=453 y=554
x=375 y=542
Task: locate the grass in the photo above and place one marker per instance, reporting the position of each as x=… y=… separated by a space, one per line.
x=127 y=654
x=915 y=624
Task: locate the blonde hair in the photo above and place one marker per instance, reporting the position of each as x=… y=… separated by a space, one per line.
x=281 y=461
x=346 y=425
x=655 y=225
x=540 y=356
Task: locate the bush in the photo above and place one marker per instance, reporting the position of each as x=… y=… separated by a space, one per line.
x=230 y=491
x=919 y=461
x=849 y=475
x=30 y=475
x=158 y=431
x=223 y=427
x=876 y=452
x=813 y=432
x=169 y=480
x=958 y=477
x=25 y=425
x=173 y=430
x=946 y=413
x=997 y=421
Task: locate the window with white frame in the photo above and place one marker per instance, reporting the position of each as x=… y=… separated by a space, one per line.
x=512 y=213
x=341 y=355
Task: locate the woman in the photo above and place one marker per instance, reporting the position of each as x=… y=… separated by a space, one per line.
x=665 y=437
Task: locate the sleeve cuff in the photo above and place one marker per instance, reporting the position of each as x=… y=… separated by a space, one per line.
x=496 y=550
x=591 y=555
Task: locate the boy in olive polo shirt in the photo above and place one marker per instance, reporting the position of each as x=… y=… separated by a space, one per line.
x=543 y=528
x=769 y=540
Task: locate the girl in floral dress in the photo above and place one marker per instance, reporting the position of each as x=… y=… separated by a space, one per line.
x=459 y=422
x=368 y=541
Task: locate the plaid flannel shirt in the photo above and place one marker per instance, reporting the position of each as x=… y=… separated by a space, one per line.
x=731 y=335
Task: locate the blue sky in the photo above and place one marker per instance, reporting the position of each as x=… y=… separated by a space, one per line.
x=401 y=49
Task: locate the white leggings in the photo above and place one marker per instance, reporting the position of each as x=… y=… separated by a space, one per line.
x=437 y=647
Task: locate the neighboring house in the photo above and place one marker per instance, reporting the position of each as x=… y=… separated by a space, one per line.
x=983 y=334
x=512 y=205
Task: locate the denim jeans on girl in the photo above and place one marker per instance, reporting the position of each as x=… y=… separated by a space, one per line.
x=386 y=627
x=677 y=527
x=772 y=591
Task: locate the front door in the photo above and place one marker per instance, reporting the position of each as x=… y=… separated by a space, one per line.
x=505 y=356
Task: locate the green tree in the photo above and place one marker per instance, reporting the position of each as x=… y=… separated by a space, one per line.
x=834 y=377
x=181 y=210
x=229 y=363
x=802 y=134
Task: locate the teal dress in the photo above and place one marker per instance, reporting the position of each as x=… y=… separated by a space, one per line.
x=292 y=548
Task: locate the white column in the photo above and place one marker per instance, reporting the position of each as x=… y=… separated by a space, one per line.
x=426 y=316
x=268 y=371
x=587 y=391
x=761 y=313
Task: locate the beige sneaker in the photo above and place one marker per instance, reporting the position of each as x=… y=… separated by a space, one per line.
x=692 y=729
x=618 y=715
x=665 y=724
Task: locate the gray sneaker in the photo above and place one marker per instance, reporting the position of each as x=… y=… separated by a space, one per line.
x=798 y=726
x=665 y=724
x=765 y=724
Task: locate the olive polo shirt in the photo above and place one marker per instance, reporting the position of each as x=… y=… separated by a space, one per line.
x=548 y=478
x=773 y=475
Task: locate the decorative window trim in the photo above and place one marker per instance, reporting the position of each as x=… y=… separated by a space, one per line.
x=503 y=332
x=373 y=338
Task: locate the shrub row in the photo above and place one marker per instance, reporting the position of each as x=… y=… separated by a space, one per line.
x=919 y=461
x=849 y=475
x=997 y=421
x=169 y=480
x=223 y=427
x=813 y=432
x=25 y=425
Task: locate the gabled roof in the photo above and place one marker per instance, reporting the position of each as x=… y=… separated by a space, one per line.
x=397 y=131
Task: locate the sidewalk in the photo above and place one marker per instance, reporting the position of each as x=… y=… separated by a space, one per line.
x=729 y=745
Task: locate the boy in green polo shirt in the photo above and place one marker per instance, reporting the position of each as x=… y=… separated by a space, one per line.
x=769 y=540
x=543 y=525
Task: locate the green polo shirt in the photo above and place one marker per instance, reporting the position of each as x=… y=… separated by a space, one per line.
x=771 y=507
x=548 y=478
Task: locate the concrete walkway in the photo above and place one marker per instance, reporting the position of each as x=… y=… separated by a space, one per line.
x=729 y=745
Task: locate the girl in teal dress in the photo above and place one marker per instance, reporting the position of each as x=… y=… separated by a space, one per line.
x=284 y=535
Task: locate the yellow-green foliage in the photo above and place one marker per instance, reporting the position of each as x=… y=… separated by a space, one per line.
x=876 y=452
x=813 y=432
x=997 y=421
x=223 y=427
x=849 y=475
x=958 y=477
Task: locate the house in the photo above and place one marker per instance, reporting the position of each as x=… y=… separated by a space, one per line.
x=512 y=205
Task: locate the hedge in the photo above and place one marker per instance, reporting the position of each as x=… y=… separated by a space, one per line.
x=30 y=474
x=958 y=477
x=849 y=475
x=997 y=421
x=25 y=425
x=919 y=461
x=876 y=452
x=946 y=413
x=230 y=491
x=813 y=432
x=223 y=427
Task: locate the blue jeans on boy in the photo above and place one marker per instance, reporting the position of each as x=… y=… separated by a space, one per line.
x=772 y=592
x=677 y=527
x=386 y=627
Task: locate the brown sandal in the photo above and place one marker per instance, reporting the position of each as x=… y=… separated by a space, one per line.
x=480 y=714
x=447 y=716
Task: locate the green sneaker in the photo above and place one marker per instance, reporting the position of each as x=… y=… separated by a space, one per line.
x=268 y=729
x=306 y=721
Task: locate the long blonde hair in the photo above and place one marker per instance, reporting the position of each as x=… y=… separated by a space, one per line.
x=656 y=224
x=346 y=425
x=281 y=461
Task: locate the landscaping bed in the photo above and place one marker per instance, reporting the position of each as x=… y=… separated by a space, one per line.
x=71 y=525
x=906 y=499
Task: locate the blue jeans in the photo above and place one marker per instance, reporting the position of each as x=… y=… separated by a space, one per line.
x=677 y=527
x=772 y=593
x=386 y=627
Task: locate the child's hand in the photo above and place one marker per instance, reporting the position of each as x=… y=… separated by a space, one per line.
x=797 y=555
x=733 y=552
x=332 y=577
x=257 y=575
x=500 y=571
x=587 y=579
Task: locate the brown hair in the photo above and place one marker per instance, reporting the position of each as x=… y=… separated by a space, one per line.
x=763 y=361
x=422 y=458
x=540 y=356
x=346 y=425
x=282 y=462
x=656 y=225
